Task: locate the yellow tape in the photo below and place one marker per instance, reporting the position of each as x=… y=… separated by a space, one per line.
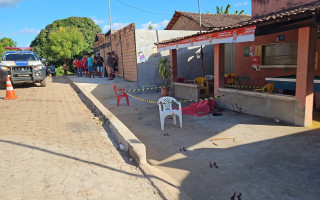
x=242 y=86
x=181 y=101
x=136 y=90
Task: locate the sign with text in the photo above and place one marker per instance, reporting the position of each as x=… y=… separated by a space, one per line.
x=244 y=34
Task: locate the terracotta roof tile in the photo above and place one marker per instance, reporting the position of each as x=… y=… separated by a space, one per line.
x=209 y=21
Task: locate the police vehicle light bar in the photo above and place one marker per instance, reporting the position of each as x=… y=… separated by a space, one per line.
x=19 y=48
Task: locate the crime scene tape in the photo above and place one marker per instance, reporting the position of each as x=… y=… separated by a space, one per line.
x=141 y=99
x=238 y=86
x=144 y=89
x=243 y=86
x=181 y=101
x=228 y=86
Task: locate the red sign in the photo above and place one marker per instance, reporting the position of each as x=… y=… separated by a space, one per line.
x=244 y=34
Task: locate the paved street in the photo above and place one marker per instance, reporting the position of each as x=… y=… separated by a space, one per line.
x=52 y=147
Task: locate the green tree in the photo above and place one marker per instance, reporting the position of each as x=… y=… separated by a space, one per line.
x=226 y=10
x=6 y=42
x=150 y=27
x=63 y=44
x=240 y=13
x=85 y=25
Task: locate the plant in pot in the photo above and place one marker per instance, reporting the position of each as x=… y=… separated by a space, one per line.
x=164 y=72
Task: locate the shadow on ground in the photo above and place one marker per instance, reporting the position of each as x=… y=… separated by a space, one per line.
x=267 y=160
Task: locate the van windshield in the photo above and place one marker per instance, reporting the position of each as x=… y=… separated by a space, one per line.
x=20 y=56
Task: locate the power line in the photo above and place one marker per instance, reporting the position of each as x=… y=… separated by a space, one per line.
x=142 y=9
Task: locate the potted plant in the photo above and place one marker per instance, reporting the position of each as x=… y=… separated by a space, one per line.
x=164 y=72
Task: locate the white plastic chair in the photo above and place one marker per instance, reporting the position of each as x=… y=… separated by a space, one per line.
x=209 y=77
x=165 y=109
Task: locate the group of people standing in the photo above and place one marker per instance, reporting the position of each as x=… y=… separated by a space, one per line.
x=89 y=66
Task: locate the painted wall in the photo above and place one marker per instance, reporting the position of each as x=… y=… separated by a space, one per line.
x=271 y=106
x=243 y=65
x=189 y=66
x=264 y=7
x=188 y=63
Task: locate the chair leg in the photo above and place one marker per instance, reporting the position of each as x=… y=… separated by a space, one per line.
x=127 y=100
x=118 y=101
x=180 y=118
x=162 y=122
x=174 y=119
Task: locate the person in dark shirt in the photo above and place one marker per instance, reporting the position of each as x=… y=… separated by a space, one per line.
x=115 y=63
x=110 y=62
x=99 y=65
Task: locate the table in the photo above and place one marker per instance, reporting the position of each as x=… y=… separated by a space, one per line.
x=289 y=82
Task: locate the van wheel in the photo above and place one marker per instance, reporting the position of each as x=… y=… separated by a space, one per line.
x=43 y=83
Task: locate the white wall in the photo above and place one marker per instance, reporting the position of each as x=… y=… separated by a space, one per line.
x=189 y=66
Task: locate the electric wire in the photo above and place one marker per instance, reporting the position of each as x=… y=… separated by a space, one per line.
x=142 y=9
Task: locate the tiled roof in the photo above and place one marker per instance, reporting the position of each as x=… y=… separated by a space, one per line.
x=209 y=21
x=284 y=15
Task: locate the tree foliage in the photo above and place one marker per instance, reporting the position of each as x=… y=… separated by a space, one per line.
x=6 y=42
x=85 y=25
x=226 y=10
x=240 y=13
x=64 y=44
x=150 y=27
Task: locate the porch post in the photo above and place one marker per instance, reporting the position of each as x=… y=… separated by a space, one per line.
x=218 y=68
x=305 y=75
x=174 y=66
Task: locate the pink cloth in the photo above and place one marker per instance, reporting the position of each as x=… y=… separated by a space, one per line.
x=199 y=109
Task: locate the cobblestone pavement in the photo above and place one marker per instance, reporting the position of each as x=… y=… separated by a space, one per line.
x=52 y=147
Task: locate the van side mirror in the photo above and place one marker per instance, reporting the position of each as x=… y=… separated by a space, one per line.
x=43 y=60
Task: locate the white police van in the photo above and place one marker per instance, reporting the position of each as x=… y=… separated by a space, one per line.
x=22 y=66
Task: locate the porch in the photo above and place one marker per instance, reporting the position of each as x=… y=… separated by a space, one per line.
x=280 y=51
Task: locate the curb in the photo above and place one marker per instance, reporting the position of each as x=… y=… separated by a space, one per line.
x=135 y=148
x=167 y=187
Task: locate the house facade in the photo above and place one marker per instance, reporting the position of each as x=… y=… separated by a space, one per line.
x=285 y=42
x=191 y=21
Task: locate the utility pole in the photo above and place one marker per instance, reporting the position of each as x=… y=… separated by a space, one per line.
x=201 y=52
x=110 y=17
x=199 y=14
x=110 y=24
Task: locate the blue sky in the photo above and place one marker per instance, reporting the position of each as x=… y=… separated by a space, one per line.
x=22 y=20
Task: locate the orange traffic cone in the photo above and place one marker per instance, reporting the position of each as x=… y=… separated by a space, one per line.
x=10 y=91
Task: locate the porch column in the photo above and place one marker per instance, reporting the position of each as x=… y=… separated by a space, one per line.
x=174 y=66
x=305 y=75
x=218 y=68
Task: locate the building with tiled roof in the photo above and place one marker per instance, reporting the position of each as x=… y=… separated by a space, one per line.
x=190 y=21
x=279 y=45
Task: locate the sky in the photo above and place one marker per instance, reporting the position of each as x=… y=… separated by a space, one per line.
x=22 y=20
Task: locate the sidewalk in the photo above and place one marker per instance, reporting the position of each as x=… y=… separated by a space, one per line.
x=267 y=160
x=53 y=147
